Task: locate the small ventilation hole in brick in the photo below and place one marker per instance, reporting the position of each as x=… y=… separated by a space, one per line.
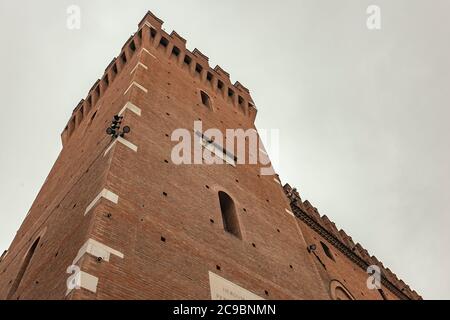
x=166 y=161
x=218 y=267
x=278 y=230
x=168 y=114
x=167 y=135
x=207 y=187
x=211 y=220
x=163 y=239
x=237 y=180
x=290 y=266
x=266 y=292
x=74 y=206
x=245 y=210
x=165 y=194
x=254 y=245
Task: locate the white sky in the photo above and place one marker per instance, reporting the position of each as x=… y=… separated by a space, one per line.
x=363 y=115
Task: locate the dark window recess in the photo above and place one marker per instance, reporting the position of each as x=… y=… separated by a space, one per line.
x=230 y=220
x=164 y=42
x=206 y=100
x=140 y=34
x=176 y=52
x=220 y=85
x=132 y=46
x=241 y=100
x=152 y=33
x=230 y=93
x=198 y=68
x=209 y=76
x=114 y=69
x=327 y=251
x=23 y=269
x=97 y=91
x=187 y=60
x=106 y=80
x=123 y=57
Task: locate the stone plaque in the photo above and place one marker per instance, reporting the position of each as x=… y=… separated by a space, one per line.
x=222 y=289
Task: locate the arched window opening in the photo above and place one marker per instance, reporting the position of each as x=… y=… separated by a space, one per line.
x=23 y=269
x=327 y=251
x=339 y=292
x=230 y=220
x=206 y=100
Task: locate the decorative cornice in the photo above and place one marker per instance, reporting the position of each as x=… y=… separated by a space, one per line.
x=300 y=214
x=310 y=220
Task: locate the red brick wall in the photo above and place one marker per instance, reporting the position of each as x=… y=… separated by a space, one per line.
x=158 y=199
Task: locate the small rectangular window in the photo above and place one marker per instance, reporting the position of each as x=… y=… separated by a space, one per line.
x=187 y=60
x=230 y=93
x=220 y=84
x=209 y=76
x=164 y=42
x=175 y=51
x=132 y=46
x=198 y=68
x=152 y=33
x=124 y=58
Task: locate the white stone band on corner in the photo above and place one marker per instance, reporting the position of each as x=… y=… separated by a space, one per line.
x=290 y=212
x=134 y=83
x=130 y=106
x=148 y=52
x=108 y=195
x=139 y=64
x=121 y=140
x=98 y=250
x=84 y=280
x=148 y=24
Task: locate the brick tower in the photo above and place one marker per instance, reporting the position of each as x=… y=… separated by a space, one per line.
x=117 y=219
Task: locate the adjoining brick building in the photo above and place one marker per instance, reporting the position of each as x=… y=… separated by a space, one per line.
x=117 y=218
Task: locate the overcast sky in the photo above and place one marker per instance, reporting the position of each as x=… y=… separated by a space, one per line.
x=363 y=115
